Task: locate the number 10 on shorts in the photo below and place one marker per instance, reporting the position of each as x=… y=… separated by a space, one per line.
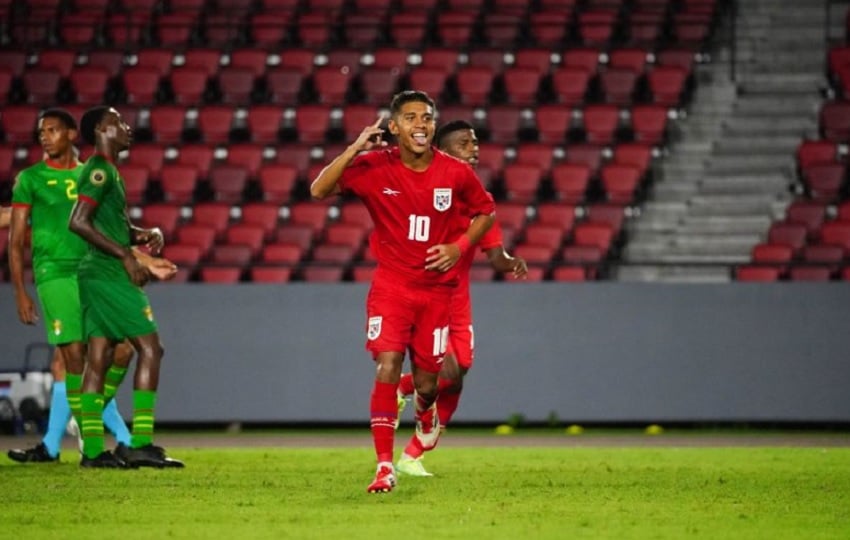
x=441 y=340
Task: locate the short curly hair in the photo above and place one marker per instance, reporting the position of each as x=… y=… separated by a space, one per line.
x=89 y=121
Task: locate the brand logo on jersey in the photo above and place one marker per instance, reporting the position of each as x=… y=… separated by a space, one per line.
x=442 y=199
x=97 y=177
x=57 y=327
x=374 y=328
x=390 y=191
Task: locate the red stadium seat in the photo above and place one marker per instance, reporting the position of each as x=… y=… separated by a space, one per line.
x=596 y=27
x=512 y=216
x=89 y=84
x=270 y=29
x=41 y=85
x=454 y=28
x=178 y=183
x=553 y=122
x=542 y=234
x=14 y=60
x=263 y=215
x=599 y=235
x=407 y=28
x=379 y=84
x=60 y=60
x=188 y=84
x=442 y=58
x=548 y=28
x=501 y=29
x=282 y=254
x=183 y=255
x=312 y=123
x=790 y=234
x=277 y=182
x=569 y=274
x=541 y=155
x=649 y=123
x=611 y=214
x=836 y=233
x=214 y=123
x=299 y=235
x=247 y=155
x=810 y=214
x=557 y=214
x=503 y=123
x=348 y=234
x=205 y=59
x=199 y=156
x=202 y=236
x=810 y=152
x=600 y=123
x=631 y=59
x=166 y=123
x=323 y=274
x=587 y=154
x=776 y=254
x=667 y=84
x=539 y=59
x=757 y=273
x=135 y=178
x=826 y=254
x=620 y=182
x=571 y=85
x=148 y=155
x=158 y=59
x=213 y=214
x=521 y=84
x=824 y=181
x=363 y=29
x=636 y=154
x=355 y=213
x=534 y=254
x=618 y=85
x=221 y=274
x=236 y=84
x=264 y=123
x=314 y=29
x=810 y=273
x=164 y=216
x=522 y=182
x=228 y=182
x=570 y=181
x=835 y=121
x=309 y=214
x=474 y=84
x=428 y=79
x=231 y=254
x=174 y=29
x=333 y=254
x=270 y=274
x=284 y=85
x=246 y=234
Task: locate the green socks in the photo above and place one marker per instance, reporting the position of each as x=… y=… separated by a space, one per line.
x=73 y=385
x=91 y=426
x=144 y=402
x=114 y=377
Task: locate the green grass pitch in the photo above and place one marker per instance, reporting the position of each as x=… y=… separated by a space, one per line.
x=506 y=492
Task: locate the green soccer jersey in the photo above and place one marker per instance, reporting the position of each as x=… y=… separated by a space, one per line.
x=101 y=184
x=50 y=194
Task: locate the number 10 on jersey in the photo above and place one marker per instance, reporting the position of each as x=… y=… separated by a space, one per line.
x=420 y=228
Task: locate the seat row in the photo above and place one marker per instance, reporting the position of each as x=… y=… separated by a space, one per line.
x=497 y=26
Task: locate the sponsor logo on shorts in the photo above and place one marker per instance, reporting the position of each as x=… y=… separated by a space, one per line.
x=57 y=327
x=148 y=313
x=442 y=199
x=97 y=177
x=374 y=328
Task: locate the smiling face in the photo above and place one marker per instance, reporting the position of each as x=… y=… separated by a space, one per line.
x=55 y=137
x=413 y=126
x=462 y=144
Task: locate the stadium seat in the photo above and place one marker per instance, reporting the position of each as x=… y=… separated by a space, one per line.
x=667 y=85
x=559 y=214
x=282 y=254
x=221 y=274
x=188 y=84
x=608 y=213
x=174 y=29
x=148 y=155
x=570 y=84
x=247 y=155
x=541 y=155
x=474 y=84
x=431 y=80
x=445 y=59
x=600 y=235
x=810 y=152
x=486 y=57
x=159 y=59
x=312 y=123
x=246 y=234
x=89 y=84
x=826 y=254
x=596 y=27
x=548 y=28
x=512 y=216
x=296 y=155
x=165 y=216
x=620 y=182
x=284 y=85
x=836 y=233
x=314 y=29
x=824 y=181
x=502 y=29
x=586 y=154
x=205 y=59
x=135 y=178
x=600 y=122
x=264 y=122
x=238 y=255
x=199 y=156
x=363 y=29
x=570 y=182
x=166 y=123
x=61 y=61
x=521 y=85
x=270 y=29
x=379 y=84
x=521 y=182
x=309 y=214
x=779 y=255
x=261 y=214
x=543 y=234
x=790 y=234
x=41 y=85
x=270 y=274
x=277 y=182
x=629 y=58
x=323 y=274
x=299 y=235
x=236 y=84
x=202 y=236
x=212 y=214
x=347 y=234
x=810 y=273
x=810 y=214
x=553 y=122
x=183 y=255
x=228 y=182
x=649 y=123
x=454 y=28
x=618 y=85
x=636 y=154
x=356 y=117
x=569 y=274
x=503 y=123
x=178 y=183
x=407 y=28
x=835 y=121
x=757 y=273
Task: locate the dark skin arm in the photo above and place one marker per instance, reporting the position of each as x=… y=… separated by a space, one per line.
x=501 y=261
x=82 y=223
x=27 y=312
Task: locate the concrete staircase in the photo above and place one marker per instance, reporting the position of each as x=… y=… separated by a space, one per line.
x=729 y=175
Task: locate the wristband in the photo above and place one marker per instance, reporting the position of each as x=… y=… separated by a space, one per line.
x=463 y=243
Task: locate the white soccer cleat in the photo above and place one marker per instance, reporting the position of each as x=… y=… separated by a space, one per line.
x=73 y=429
x=411 y=466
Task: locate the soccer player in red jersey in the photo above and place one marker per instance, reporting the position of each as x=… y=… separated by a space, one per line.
x=428 y=209
x=458 y=139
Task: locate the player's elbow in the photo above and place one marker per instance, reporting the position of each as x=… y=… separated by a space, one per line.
x=316 y=190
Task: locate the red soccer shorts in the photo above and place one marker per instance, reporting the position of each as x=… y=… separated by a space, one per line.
x=461 y=336
x=401 y=318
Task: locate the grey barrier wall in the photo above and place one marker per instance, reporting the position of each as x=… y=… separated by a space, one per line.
x=598 y=352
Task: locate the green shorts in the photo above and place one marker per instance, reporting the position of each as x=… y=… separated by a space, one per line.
x=115 y=310
x=60 y=306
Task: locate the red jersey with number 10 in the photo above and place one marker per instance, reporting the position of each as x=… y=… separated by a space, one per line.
x=413 y=211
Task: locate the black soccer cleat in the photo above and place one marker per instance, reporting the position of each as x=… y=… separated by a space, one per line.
x=36 y=454
x=148 y=455
x=104 y=460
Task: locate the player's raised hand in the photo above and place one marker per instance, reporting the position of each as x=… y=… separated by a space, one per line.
x=442 y=257
x=153 y=239
x=371 y=137
x=520 y=270
x=27 y=312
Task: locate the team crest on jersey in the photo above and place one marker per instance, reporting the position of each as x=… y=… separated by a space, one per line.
x=97 y=177
x=374 y=328
x=442 y=199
